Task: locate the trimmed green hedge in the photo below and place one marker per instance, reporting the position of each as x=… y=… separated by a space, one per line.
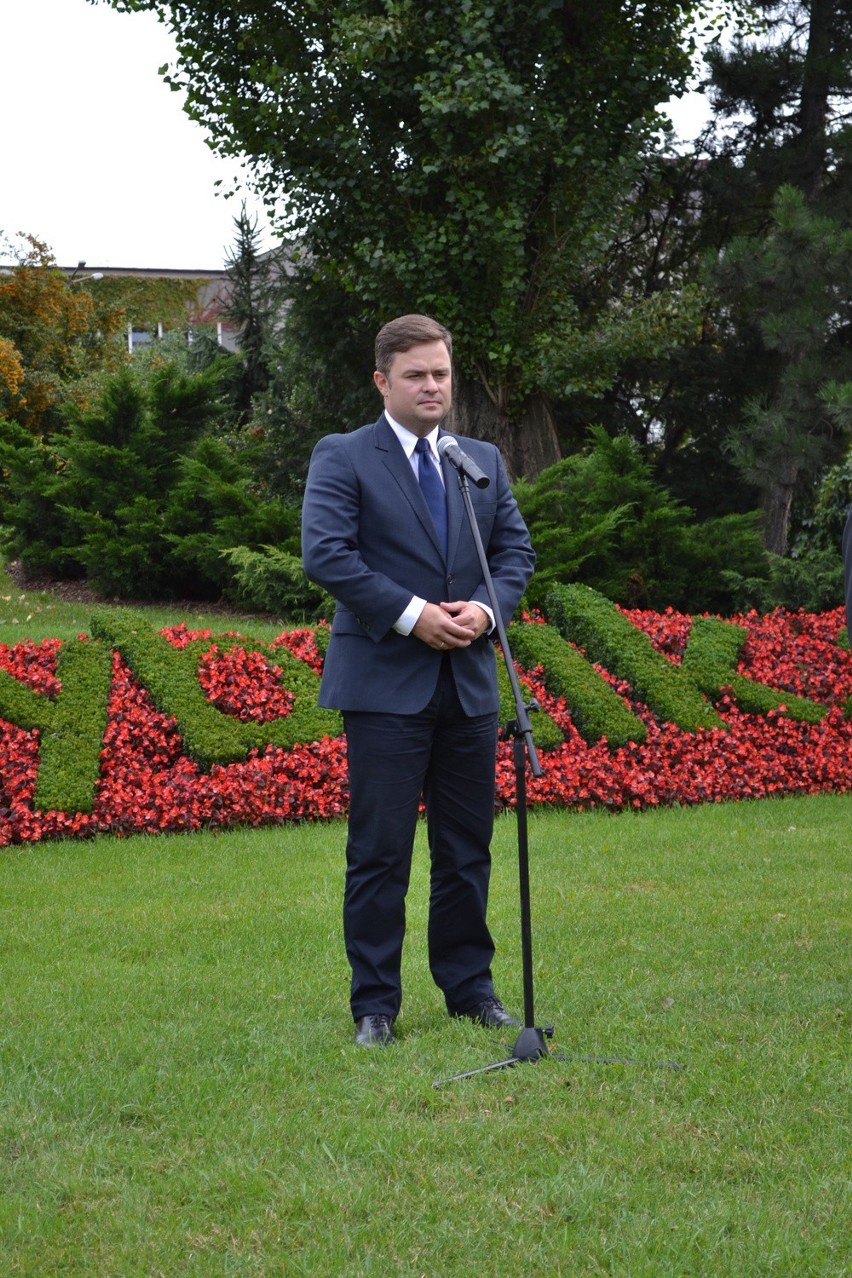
x=677 y=694
x=597 y=711
x=170 y=676
x=710 y=662
x=594 y=624
x=71 y=728
x=587 y=628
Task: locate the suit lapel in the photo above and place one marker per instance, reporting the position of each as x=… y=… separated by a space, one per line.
x=395 y=461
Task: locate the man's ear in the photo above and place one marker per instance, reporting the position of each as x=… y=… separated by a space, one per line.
x=381 y=381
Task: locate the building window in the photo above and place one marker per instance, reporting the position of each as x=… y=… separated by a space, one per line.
x=141 y=336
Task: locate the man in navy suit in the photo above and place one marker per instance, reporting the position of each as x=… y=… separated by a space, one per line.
x=411 y=666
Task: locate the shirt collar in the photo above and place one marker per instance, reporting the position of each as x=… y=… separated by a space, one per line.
x=409 y=440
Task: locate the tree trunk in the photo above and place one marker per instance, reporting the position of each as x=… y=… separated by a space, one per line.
x=814 y=102
x=776 y=502
x=528 y=442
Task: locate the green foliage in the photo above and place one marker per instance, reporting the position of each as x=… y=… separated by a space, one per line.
x=597 y=712
x=36 y=527
x=21 y=706
x=319 y=382
x=601 y=518
x=780 y=89
x=605 y=635
x=813 y=581
x=588 y=360
x=54 y=338
x=140 y=494
x=170 y=675
x=675 y=693
x=773 y=211
x=547 y=735
x=213 y=505
x=709 y=549
x=189 y=356
x=822 y=528
x=272 y=580
x=111 y=467
x=70 y=746
x=71 y=728
x=121 y=463
x=469 y=160
x=255 y=307
x=148 y=300
x=710 y=662
x=792 y=288
x=766 y=373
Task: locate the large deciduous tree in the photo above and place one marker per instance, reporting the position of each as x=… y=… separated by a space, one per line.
x=457 y=156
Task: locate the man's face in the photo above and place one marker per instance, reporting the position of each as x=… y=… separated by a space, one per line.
x=418 y=389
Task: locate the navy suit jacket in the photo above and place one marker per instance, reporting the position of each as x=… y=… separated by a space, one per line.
x=368 y=538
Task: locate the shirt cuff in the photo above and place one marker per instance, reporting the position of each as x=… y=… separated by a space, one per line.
x=408 y=620
x=485 y=608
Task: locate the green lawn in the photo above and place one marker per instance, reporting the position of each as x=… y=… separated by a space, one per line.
x=39 y=614
x=181 y=1096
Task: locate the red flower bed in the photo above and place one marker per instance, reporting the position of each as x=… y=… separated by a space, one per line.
x=148 y=784
x=243 y=684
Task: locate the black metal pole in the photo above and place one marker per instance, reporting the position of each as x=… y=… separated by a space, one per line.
x=524 y=878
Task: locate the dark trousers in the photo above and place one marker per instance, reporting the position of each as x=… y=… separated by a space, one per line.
x=449 y=759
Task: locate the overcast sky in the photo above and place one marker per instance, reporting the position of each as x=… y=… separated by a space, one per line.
x=98 y=157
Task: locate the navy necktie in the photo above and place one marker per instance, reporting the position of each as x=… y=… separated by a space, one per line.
x=433 y=491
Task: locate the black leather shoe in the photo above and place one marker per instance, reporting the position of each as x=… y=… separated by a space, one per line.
x=374 y=1031
x=491 y=1013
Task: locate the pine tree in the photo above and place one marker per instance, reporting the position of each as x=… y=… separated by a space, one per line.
x=793 y=289
x=777 y=197
x=748 y=413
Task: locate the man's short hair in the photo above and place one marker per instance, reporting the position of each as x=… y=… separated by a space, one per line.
x=407 y=331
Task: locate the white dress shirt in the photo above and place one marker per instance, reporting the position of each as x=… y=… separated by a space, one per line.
x=405 y=623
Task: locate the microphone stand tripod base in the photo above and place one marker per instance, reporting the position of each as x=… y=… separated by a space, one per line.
x=531 y=1044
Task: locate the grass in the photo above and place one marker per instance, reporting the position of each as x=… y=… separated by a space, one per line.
x=181 y=1095
x=40 y=614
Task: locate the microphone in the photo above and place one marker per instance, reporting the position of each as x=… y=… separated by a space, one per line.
x=448 y=447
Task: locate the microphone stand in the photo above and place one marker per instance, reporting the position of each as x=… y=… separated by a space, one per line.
x=531 y=1044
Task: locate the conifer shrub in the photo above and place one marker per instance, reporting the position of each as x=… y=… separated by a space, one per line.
x=269 y=579
x=601 y=519
x=141 y=494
